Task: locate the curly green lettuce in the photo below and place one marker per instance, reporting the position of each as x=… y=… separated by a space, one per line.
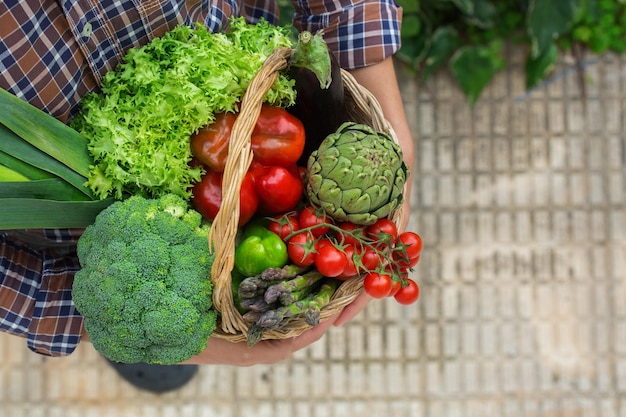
x=140 y=122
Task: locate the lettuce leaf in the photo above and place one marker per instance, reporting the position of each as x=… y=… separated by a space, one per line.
x=140 y=122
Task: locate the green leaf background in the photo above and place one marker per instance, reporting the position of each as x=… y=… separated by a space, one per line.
x=443 y=34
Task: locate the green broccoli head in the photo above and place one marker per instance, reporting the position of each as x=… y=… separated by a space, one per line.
x=144 y=289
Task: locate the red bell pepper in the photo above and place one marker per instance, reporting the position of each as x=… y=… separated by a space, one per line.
x=279 y=189
x=207 y=196
x=277 y=139
x=209 y=144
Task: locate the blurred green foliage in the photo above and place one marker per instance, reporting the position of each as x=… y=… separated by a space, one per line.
x=468 y=36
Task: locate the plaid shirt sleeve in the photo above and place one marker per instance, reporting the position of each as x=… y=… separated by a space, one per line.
x=35 y=289
x=360 y=32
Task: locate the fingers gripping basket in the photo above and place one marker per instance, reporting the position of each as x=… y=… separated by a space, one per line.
x=362 y=108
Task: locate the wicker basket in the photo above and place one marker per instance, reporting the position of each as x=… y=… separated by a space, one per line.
x=362 y=108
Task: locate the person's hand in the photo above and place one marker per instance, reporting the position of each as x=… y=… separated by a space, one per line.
x=351 y=310
x=224 y=352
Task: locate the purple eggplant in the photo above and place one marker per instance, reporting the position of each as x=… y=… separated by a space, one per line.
x=320 y=101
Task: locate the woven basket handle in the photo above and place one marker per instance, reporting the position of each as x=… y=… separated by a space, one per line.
x=224 y=227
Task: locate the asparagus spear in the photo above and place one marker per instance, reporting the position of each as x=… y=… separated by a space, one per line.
x=312 y=313
x=296 y=284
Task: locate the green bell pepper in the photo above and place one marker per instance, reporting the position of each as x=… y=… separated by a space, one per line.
x=259 y=250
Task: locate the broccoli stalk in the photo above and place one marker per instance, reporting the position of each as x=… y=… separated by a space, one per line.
x=144 y=289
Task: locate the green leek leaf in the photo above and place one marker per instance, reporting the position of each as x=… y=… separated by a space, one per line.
x=46 y=133
x=50 y=189
x=22 y=167
x=13 y=145
x=8 y=174
x=31 y=213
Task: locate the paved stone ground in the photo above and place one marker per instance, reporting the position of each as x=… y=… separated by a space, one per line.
x=521 y=202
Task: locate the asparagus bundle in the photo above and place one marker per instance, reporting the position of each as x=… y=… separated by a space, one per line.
x=278 y=295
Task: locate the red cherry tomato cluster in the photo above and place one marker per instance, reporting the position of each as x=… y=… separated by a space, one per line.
x=273 y=183
x=344 y=250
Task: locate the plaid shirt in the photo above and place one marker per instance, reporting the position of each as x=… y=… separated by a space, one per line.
x=53 y=52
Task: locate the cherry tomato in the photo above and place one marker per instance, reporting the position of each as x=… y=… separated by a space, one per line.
x=412 y=243
x=330 y=261
x=370 y=259
x=350 y=270
x=401 y=258
x=321 y=242
x=395 y=287
x=403 y=262
x=309 y=218
x=384 y=231
x=377 y=285
x=284 y=225
x=207 y=196
x=301 y=249
x=278 y=189
x=409 y=293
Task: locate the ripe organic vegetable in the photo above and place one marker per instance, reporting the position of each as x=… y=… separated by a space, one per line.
x=377 y=285
x=320 y=103
x=207 y=197
x=277 y=138
x=284 y=225
x=408 y=293
x=259 y=250
x=279 y=189
x=138 y=126
x=301 y=249
x=144 y=288
x=209 y=144
x=357 y=174
x=330 y=261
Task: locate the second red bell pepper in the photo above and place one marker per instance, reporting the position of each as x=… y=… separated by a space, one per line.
x=277 y=139
x=207 y=196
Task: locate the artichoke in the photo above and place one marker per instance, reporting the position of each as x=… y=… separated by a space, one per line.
x=357 y=174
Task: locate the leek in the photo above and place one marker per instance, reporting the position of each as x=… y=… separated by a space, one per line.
x=7 y=174
x=19 y=148
x=49 y=189
x=24 y=213
x=44 y=132
x=21 y=167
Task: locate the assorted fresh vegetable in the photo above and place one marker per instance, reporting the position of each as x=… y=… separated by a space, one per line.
x=357 y=174
x=144 y=286
x=344 y=249
x=43 y=166
x=139 y=125
x=272 y=184
x=259 y=250
x=322 y=254
x=315 y=203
